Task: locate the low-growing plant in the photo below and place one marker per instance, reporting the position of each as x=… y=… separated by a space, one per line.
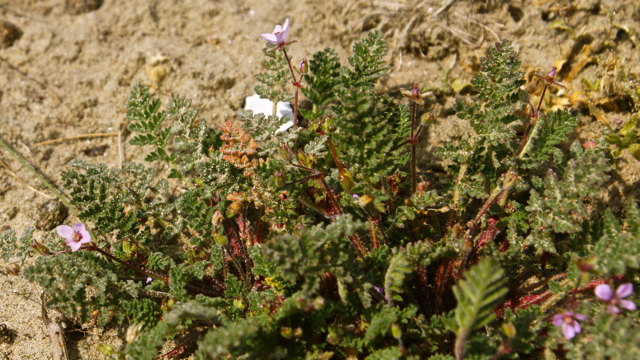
x=317 y=240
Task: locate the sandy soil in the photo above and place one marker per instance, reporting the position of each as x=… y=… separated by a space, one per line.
x=66 y=69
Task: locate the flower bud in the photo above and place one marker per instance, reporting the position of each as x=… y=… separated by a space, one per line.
x=365 y=200
x=133 y=332
x=281 y=178
x=612 y=138
x=219 y=239
x=286 y=332
x=302 y=158
x=217 y=218
x=346 y=180
x=509 y=330
x=41 y=248
x=285 y=153
x=304 y=66
x=635 y=151
x=396 y=331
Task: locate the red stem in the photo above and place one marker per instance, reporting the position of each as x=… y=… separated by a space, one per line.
x=296 y=84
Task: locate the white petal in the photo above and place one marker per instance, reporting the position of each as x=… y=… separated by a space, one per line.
x=270 y=38
x=284 y=127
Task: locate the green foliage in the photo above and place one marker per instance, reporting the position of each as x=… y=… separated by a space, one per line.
x=10 y=246
x=618 y=249
x=478 y=294
x=311 y=243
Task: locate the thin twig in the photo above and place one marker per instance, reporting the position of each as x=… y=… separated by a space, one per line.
x=22 y=181
x=56 y=334
x=444 y=7
x=481 y=24
x=85 y=136
x=41 y=178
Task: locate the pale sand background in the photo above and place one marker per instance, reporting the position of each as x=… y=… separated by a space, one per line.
x=212 y=49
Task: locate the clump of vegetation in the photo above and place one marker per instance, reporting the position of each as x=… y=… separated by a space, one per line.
x=315 y=240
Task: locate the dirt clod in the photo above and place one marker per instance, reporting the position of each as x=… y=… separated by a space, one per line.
x=9 y=34
x=77 y=7
x=51 y=214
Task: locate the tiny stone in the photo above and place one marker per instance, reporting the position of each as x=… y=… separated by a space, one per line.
x=51 y=214
x=9 y=34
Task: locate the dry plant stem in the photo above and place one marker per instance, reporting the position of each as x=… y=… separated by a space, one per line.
x=414 y=160
x=41 y=178
x=456 y=194
x=22 y=181
x=296 y=85
x=56 y=334
x=76 y=137
x=440 y=284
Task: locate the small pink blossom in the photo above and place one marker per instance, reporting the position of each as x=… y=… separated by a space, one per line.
x=149 y=279
x=606 y=294
x=569 y=322
x=415 y=94
x=76 y=236
x=279 y=35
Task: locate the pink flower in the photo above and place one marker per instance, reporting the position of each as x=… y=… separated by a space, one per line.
x=76 y=236
x=569 y=323
x=606 y=294
x=415 y=94
x=279 y=35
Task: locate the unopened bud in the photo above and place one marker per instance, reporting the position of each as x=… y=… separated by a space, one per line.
x=302 y=158
x=635 y=151
x=346 y=180
x=285 y=153
x=509 y=330
x=552 y=74
x=219 y=239
x=304 y=66
x=396 y=331
x=217 y=218
x=286 y=332
x=133 y=331
x=41 y=248
x=280 y=177
x=365 y=200
x=612 y=138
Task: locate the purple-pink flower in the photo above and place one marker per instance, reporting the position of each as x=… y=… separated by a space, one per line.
x=569 y=322
x=279 y=35
x=606 y=294
x=74 y=237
